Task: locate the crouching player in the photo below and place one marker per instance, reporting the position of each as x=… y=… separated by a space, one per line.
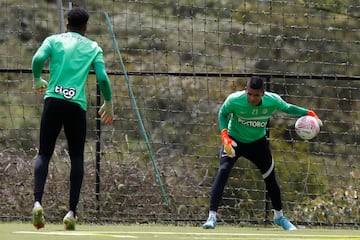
x=242 y=121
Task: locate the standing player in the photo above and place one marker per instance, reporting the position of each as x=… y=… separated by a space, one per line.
x=242 y=121
x=71 y=56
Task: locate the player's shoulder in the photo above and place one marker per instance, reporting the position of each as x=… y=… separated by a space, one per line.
x=94 y=44
x=53 y=37
x=237 y=94
x=272 y=97
x=236 y=98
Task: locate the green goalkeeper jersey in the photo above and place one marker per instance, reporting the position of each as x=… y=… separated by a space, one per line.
x=247 y=123
x=71 y=55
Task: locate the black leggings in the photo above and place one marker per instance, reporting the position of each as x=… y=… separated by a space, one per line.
x=257 y=152
x=58 y=113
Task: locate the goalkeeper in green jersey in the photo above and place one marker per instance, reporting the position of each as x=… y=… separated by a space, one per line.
x=242 y=121
x=71 y=55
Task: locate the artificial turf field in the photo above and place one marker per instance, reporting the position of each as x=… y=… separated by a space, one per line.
x=20 y=231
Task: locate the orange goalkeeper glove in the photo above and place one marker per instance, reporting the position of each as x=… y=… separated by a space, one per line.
x=229 y=144
x=313 y=114
x=106 y=112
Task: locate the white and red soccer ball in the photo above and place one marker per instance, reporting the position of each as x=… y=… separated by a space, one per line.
x=307 y=127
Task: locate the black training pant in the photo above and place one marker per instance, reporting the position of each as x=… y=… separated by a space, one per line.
x=58 y=113
x=257 y=152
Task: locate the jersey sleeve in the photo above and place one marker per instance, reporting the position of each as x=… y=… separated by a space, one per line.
x=290 y=108
x=295 y=110
x=103 y=80
x=99 y=56
x=223 y=116
x=40 y=57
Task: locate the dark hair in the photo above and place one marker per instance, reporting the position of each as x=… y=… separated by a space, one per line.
x=77 y=18
x=255 y=82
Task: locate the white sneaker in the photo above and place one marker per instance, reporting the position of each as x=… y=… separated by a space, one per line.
x=210 y=223
x=69 y=221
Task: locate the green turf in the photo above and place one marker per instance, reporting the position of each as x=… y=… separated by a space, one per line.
x=19 y=231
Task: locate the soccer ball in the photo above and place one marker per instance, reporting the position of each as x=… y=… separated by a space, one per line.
x=307 y=127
